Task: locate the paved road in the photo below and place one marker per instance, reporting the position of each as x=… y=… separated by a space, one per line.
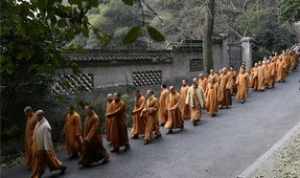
x=221 y=147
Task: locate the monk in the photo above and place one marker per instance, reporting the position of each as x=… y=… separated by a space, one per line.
x=72 y=131
x=118 y=131
x=150 y=113
x=267 y=73
x=163 y=114
x=44 y=154
x=30 y=124
x=184 y=108
x=196 y=101
x=211 y=97
x=254 y=77
x=109 y=101
x=272 y=69
x=138 y=127
x=242 y=84
x=202 y=81
x=225 y=98
x=174 y=120
x=260 y=77
x=93 y=151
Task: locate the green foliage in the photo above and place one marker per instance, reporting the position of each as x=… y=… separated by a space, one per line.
x=290 y=10
x=155 y=34
x=133 y=34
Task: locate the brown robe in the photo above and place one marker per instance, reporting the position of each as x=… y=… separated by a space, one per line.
x=260 y=78
x=184 y=108
x=225 y=99
x=72 y=131
x=93 y=149
x=118 y=132
x=174 y=115
x=242 y=83
x=150 y=113
x=163 y=114
x=138 y=127
x=30 y=125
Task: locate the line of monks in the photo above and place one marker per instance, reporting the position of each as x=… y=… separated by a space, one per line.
x=207 y=92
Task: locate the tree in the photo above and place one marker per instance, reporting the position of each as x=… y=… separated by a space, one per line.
x=208 y=35
x=290 y=10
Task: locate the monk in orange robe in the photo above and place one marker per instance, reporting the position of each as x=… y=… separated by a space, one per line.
x=202 y=81
x=196 y=101
x=260 y=77
x=174 y=120
x=44 y=154
x=118 y=131
x=233 y=73
x=184 y=108
x=242 y=84
x=163 y=114
x=72 y=131
x=30 y=124
x=109 y=101
x=212 y=97
x=255 y=77
x=225 y=100
x=150 y=113
x=272 y=67
x=267 y=73
x=138 y=127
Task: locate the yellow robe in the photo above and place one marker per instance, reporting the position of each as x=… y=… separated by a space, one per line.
x=138 y=127
x=242 y=85
x=174 y=115
x=184 y=108
x=72 y=131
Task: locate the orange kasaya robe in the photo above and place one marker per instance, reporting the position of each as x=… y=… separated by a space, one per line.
x=212 y=98
x=118 y=131
x=272 y=70
x=285 y=66
x=108 y=120
x=242 y=84
x=260 y=78
x=225 y=98
x=202 y=82
x=279 y=70
x=30 y=125
x=184 y=108
x=196 y=101
x=93 y=149
x=138 y=127
x=150 y=113
x=163 y=114
x=267 y=75
x=174 y=115
x=72 y=131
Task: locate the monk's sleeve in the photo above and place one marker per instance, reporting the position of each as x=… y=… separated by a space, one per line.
x=93 y=130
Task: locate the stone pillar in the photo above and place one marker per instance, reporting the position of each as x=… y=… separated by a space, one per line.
x=297 y=29
x=246 y=44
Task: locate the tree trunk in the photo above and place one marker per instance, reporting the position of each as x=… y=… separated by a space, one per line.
x=207 y=36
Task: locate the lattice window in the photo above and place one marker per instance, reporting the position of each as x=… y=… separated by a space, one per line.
x=147 y=78
x=68 y=84
x=196 y=65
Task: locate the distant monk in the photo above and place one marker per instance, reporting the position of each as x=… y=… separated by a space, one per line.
x=30 y=124
x=226 y=92
x=93 y=151
x=202 y=81
x=260 y=77
x=44 y=155
x=175 y=120
x=109 y=101
x=118 y=132
x=138 y=127
x=195 y=99
x=272 y=70
x=72 y=131
x=150 y=113
x=184 y=108
x=267 y=73
x=163 y=114
x=211 y=97
x=242 y=85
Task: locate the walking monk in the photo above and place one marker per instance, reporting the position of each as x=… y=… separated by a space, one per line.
x=260 y=77
x=242 y=85
x=202 y=81
x=225 y=100
x=93 y=150
x=72 y=131
x=109 y=100
x=163 y=114
x=150 y=113
x=44 y=154
x=138 y=121
x=118 y=131
x=195 y=100
x=175 y=120
x=30 y=124
x=211 y=97
x=184 y=108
